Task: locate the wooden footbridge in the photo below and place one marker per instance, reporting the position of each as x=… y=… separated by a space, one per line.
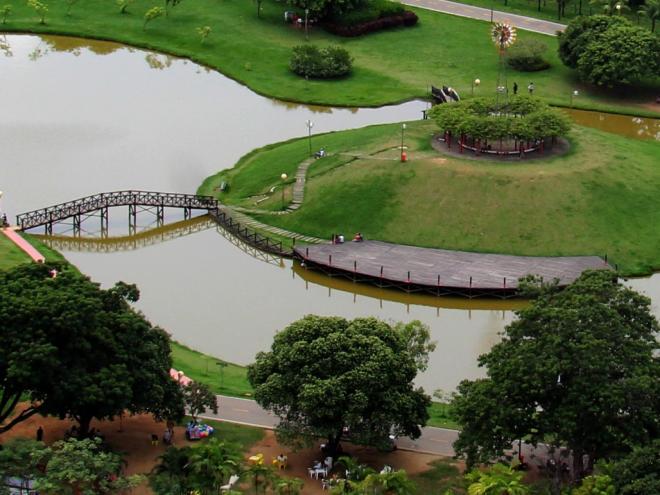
x=98 y=205
x=439 y=271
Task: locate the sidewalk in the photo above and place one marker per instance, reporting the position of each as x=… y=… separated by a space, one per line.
x=480 y=13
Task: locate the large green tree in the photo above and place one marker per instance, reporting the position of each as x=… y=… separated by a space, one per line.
x=578 y=368
x=638 y=473
x=82 y=467
x=621 y=55
x=325 y=374
x=580 y=32
x=76 y=350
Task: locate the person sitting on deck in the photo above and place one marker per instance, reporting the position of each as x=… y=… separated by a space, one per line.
x=358 y=238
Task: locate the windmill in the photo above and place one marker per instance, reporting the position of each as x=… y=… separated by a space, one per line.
x=503 y=35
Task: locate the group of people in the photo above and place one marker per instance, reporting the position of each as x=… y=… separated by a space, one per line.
x=339 y=238
x=530 y=87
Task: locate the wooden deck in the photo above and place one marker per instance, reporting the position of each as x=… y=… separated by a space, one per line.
x=441 y=271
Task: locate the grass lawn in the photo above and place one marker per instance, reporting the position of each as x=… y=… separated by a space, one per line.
x=389 y=66
x=11 y=255
x=444 y=475
x=235 y=383
x=600 y=198
x=244 y=436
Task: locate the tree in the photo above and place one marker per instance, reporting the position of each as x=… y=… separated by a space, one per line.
x=212 y=463
x=19 y=458
x=650 y=9
x=76 y=350
x=392 y=483
x=619 y=56
x=171 y=475
x=203 y=32
x=199 y=398
x=151 y=14
x=69 y=6
x=327 y=376
x=323 y=8
x=123 y=6
x=4 y=12
x=580 y=32
x=577 y=369
x=497 y=480
x=638 y=473
x=40 y=8
x=172 y=3
x=82 y=467
x=262 y=476
x=610 y=7
x=288 y=486
x=417 y=337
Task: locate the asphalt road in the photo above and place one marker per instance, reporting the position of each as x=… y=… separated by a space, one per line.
x=519 y=21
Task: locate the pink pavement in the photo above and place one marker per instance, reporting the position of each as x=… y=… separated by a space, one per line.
x=24 y=245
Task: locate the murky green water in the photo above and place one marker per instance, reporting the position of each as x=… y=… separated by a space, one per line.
x=81 y=117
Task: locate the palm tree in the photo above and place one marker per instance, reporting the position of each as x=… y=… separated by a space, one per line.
x=651 y=9
x=212 y=463
x=610 y=6
x=498 y=480
x=170 y=475
x=393 y=483
x=354 y=470
x=262 y=476
x=288 y=486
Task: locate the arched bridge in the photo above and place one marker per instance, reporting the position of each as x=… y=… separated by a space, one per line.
x=98 y=204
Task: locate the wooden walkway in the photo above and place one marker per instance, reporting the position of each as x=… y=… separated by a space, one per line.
x=440 y=271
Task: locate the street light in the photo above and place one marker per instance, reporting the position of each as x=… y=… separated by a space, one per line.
x=222 y=373
x=284 y=177
x=306 y=31
x=618 y=8
x=403 y=153
x=476 y=82
x=309 y=125
x=574 y=94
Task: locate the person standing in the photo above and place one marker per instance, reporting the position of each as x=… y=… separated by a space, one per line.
x=515 y=88
x=40 y=434
x=530 y=88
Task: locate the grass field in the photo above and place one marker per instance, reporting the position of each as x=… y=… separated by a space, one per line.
x=600 y=198
x=447 y=50
x=11 y=255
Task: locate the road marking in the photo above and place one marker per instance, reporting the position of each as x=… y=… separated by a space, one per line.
x=240 y=410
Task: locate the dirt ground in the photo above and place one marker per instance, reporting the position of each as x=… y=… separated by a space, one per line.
x=132 y=437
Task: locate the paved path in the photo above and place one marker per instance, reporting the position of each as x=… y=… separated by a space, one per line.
x=520 y=21
x=248 y=412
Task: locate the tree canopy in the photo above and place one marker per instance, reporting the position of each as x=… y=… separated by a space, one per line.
x=609 y=50
x=326 y=376
x=76 y=350
x=578 y=368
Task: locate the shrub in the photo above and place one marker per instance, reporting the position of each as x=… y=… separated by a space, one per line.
x=527 y=55
x=320 y=63
x=370 y=11
x=580 y=32
x=406 y=18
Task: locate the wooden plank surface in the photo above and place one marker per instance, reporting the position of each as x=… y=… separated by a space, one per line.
x=488 y=271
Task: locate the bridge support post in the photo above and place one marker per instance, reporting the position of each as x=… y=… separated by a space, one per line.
x=132 y=219
x=104 y=222
x=76 y=225
x=160 y=215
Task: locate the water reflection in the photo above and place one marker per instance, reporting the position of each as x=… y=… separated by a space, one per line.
x=624 y=125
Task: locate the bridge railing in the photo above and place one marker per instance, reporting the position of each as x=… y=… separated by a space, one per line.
x=100 y=201
x=249 y=235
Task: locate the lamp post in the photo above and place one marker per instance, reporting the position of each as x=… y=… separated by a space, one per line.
x=222 y=373
x=309 y=125
x=284 y=177
x=476 y=82
x=574 y=94
x=306 y=18
x=403 y=153
x=618 y=8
